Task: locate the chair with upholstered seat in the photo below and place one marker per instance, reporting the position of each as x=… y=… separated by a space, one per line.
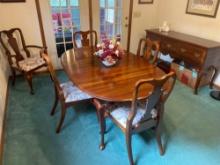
x=67 y=93
x=20 y=56
x=85 y=39
x=148 y=49
x=144 y=112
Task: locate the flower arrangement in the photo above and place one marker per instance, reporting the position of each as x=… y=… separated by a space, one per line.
x=109 y=51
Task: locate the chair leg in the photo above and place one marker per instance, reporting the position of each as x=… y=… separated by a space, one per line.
x=159 y=142
x=129 y=148
x=55 y=103
x=63 y=114
x=29 y=80
x=101 y=117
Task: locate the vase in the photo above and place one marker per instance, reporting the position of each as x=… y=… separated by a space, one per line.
x=108 y=64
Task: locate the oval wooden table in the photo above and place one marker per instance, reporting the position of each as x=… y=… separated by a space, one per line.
x=107 y=83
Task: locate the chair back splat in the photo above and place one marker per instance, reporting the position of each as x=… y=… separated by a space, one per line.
x=148 y=49
x=152 y=102
x=85 y=38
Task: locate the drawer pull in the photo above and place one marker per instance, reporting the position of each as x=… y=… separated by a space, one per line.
x=182 y=50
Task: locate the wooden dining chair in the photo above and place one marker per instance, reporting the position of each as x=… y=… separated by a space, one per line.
x=85 y=38
x=140 y=114
x=67 y=93
x=148 y=49
x=21 y=57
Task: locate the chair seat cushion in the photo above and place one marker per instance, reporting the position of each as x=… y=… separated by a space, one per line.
x=30 y=63
x=72 y=93
x=121 y=112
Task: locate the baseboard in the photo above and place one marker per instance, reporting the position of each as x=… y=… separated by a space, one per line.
x=4 y=124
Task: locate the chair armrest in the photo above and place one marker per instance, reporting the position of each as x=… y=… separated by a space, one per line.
x=35 y=47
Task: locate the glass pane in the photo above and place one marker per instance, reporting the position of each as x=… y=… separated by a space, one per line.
x=76 y=22
x=111 y=3
x=66 y=21
x=110 y=15
x=109 y=29
x=68 y=34
x=54 y=3
x=76 y=13
x=76 y=28
x=63 y=3
x=60 y=49
x=69 y=46
x=74 y=3
x=58 y=3
x=58 y=35
x=102 y=3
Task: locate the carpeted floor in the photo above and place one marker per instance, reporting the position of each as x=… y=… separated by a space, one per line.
x=191 y=131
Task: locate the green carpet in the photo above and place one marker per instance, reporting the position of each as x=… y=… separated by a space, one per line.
x=191 y=131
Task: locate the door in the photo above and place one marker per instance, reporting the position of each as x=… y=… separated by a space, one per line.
x=66 y=21
x=113 y=19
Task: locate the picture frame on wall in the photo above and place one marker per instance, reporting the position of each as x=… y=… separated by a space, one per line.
x=145 y=1
x=206 y=8
x=7 y=1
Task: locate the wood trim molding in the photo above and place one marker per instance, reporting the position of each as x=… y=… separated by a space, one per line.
x=90 y=21
x=90 y=15
x=4 y=124
x=129 y=24
x=40 y=23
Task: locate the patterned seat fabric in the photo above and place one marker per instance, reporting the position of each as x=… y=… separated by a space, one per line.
x=30 y=63
x=72 y=93
x=121 y=112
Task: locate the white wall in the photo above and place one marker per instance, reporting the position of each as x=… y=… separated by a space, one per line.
x=173 y=11
x=144 y=17
x=4 y=73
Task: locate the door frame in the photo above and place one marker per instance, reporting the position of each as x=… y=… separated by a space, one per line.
x=129 y=21
x=90 y=22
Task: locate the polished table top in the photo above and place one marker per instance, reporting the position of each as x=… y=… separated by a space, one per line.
x=107 y=83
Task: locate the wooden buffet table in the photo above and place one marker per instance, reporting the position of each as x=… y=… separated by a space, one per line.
x=111 y=84
x=197 y=53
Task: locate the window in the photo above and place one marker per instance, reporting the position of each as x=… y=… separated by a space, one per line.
x=110 y=18
x=66 y=21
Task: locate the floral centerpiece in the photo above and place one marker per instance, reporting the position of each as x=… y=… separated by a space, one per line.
x=109 y=51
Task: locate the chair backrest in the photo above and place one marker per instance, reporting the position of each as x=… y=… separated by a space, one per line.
x=86 y=38
x=13 y=43
x=53 y=74
x=148 y=49
x=161 y=89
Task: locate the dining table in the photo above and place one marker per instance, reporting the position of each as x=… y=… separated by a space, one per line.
x=115 y=83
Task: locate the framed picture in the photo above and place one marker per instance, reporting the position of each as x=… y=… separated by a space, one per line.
x=5 y=1
x=145 y=1
x=206 y=8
